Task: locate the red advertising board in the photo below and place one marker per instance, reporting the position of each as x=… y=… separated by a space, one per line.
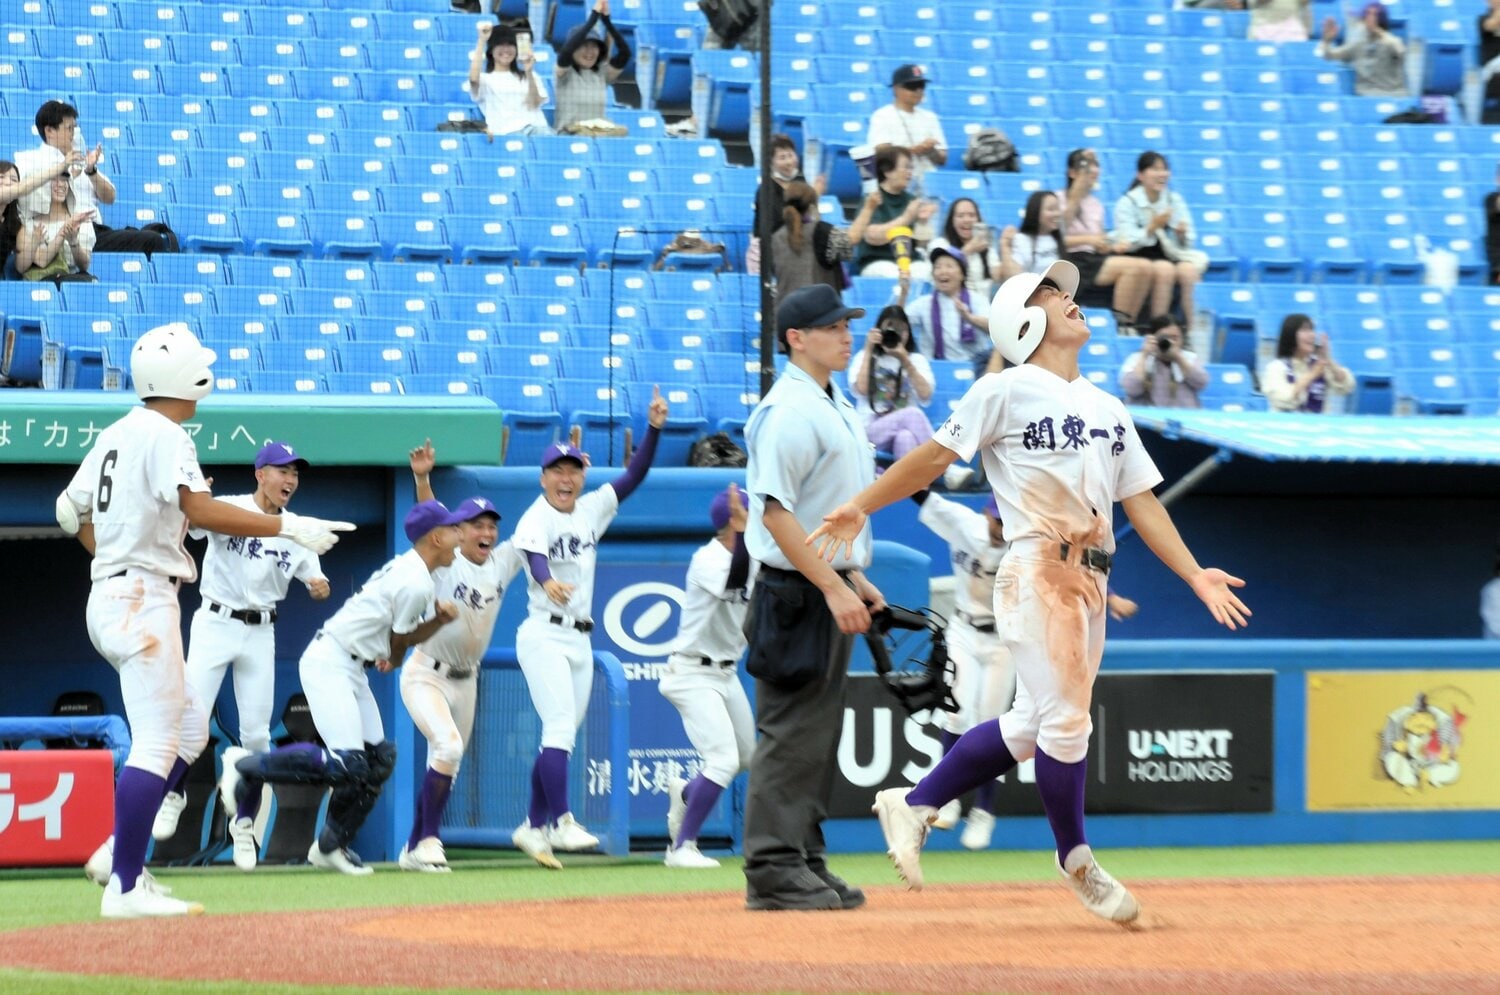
x=56 y=806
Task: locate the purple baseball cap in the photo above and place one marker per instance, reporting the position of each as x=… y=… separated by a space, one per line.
x=718 y=509
x=561 y=450
x=278 y=454
x=425 y=516
x=474 y=507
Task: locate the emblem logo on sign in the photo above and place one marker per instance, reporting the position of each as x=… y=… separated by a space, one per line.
x=643 y=634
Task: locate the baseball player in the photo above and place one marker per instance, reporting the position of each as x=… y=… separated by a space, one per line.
x=702 y=680
x=558 y=536
x=440 y=680
x=130 y=503
x=395 y=610
x=243 y=581
x=1058 y=452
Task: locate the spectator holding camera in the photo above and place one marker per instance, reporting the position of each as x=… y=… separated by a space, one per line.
x=889 y=248
x=1377 y=55
x=964 y=229
x=1304 y=374
x=1163 y=374
x=586 y=68
x=956 y=322
x=807 y=250
x=892 y=382
x=508 y=90
x=1039 y=241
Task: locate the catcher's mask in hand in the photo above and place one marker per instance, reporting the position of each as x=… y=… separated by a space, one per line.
x=924 y=679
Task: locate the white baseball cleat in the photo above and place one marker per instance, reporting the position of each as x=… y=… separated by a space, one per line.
x=409 y=861
x=143 y=901
x=979 y=828
x=905 y=830
x=165 y=826
x=343 y=860
x=687 y=856
x=676 y=808
x=242 y=834
x=948 y=815
x=101 y=863
x=430 y=851
x=533 y=842
x=1100 y=893
x=569 y=835
x=230 y=779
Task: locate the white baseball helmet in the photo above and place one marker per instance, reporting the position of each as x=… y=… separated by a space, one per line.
x=1017 y=329
x=169 y=361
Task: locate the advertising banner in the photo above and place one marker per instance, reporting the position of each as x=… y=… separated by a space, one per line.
x=1413 y=740
x=56 y=806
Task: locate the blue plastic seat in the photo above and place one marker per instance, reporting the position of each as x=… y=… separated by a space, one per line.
x=603 y=411
x=386 y=359
x=207 y=229
x=126 y=267
x=474 y=307
x=477 y=333
x=353 y=276
x=549 y=243
x=413 y=236
x=271 y=51
x=177 y=301
x=483 y=240
x=273 y=232
x=452 y=361
x=529 y=413
x=182 y=268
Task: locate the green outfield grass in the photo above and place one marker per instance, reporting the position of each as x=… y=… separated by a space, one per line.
x=39 y=898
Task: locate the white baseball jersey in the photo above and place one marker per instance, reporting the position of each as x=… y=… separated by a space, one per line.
x=129 y=482
x=396 y=598
x=713 y=619
x=252 y=574
x=1058 y=454
x=571 y=544
x=477 y=589
x=975 y=559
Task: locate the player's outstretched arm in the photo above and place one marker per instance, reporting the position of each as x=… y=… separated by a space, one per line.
x=423 y=459
x=443 y=613
x=849 y=611
x=640 y=461
x=203 y=511
x=909 y=474
x=1211 y=584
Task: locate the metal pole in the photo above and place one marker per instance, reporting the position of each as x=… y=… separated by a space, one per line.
x=1189 y=480
x=767 y=306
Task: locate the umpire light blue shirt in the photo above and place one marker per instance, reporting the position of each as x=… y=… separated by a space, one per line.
x=809 y=451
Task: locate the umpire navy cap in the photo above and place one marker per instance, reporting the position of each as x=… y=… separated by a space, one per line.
x=425 y=516
x=813 y=306
x=475 y=507
x=278 y=454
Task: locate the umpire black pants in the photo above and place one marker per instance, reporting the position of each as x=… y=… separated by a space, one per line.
x=796 y=755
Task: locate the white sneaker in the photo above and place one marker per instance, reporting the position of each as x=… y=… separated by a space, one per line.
x=101 y=864
x=165 y=826
x=1100 y=894
x=230 y=779
x=410 y=861
x=569 y=835
x=242 y=833
x=676 y=808
x=430 y=851
x=905 y=830
x=688 y=856
x=142 y=901
x=533 y=842
x=948 y=815
x=978 y=829
x=343 y=860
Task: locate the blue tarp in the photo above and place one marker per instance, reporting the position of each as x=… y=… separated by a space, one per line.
x=111 y=730
x=1333 y=438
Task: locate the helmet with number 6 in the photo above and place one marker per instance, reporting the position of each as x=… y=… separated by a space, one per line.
x=169 y=361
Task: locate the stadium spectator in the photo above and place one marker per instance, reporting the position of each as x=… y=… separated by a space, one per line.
x=12 y=188
x=1163 y=374
x=1038 y=243
x=1270 y=20
x=1489 y=63
x=904 y=124
x=1155 y=224
x=786 y=166
x=508 y=91
x=964 y=229
x=57 y=245
x=899 y=208
x=57 y=123
x=1304 y=375
x=1492 y=228
x=807 y=250
x=954 y=322
x=585 y=69
x=892 y=382
x=1377 y=55
x=1102 y=263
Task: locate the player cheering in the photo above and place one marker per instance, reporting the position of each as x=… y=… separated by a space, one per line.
x=130 y=503
x=243 y=580
x=440 y=681
x=559 y=537
x=1059 y=452
x=702 y=681
x=394 y=611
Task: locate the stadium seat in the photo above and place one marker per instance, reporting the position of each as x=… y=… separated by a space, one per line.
x=603 y=411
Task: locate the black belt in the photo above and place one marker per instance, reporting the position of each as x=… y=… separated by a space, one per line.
x=580 y=626
x=176 y=581
x=968 y=620
x=367 y=664
x=244 y=615
x=1094 y=559
x=438 y=665
x=793 y=576
x=706 y=662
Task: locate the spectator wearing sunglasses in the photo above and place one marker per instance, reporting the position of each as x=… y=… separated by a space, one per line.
x=905 y=123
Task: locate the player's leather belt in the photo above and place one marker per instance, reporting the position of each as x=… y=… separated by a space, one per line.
x=367 y=664
x=243 y=614
x=968 y=620
x=793 y=576
x=446 y=669
x=706 y=662
x=175 y=581
x=574 y=624
x=1094 y=559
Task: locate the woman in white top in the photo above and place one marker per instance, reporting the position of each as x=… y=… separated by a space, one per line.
x=1156 y=224
x=955 y=322
x=964 y=229
x=1303 y=375
x=1039 y=242
x=892 y=382
x=57 y=245
x=509 y=92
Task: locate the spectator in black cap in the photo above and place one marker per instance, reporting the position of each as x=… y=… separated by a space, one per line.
x=904 y=123
x=584 y=74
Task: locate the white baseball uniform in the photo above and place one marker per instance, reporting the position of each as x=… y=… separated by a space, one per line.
x=556 y=657
x=129 y=484
x=984 y=680
x=243 y=581
x=702 y=678
x=396 y=599
x=1059 y=454
x=440 y=680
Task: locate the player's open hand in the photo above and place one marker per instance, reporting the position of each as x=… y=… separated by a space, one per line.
x=317 y=534
x=738 y=516
x=1212 y=586
x=839 y=530
x=558 y=592
x=422 y=459
x=318 y=589
x=657 y=413
x=384 y=666
x=1121 y=608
